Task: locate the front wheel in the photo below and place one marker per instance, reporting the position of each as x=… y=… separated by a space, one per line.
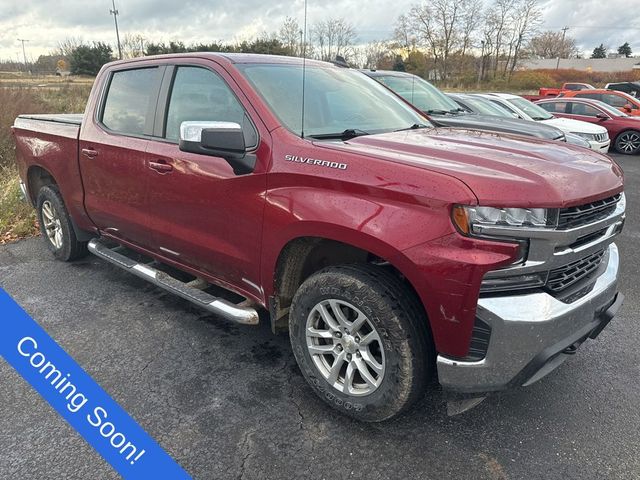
x=628 y=142
x=361 y=340
x=56 y=227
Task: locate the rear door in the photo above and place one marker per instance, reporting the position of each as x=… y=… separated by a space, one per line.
x=113 y=158
x=202 y=214
x=584 y=112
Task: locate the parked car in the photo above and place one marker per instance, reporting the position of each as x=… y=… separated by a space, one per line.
x=445 y=112
x=624 y=130
x=387 y=248
x=475 y=104
x=596 y=135
x=630 y=88
x=545 y=92
x=620 y=100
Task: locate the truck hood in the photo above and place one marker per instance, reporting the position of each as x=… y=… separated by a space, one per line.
x=501 y=170
x=494 y=123
x=571 y=125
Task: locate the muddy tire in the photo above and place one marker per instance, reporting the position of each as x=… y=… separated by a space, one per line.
x=55 y=226
x=361 y=339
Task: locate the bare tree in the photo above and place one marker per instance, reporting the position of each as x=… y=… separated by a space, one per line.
x=404 y=33
x=374 y=54
x=526 y=18
x=333 y=37
x=67 y=46
x=133 y=45
x=550 y=44
x=291 y=36
x=445 y=28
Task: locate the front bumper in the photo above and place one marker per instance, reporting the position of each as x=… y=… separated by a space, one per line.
x=532 y=334
x=602 y=147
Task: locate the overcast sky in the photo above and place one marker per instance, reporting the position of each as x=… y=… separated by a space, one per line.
x=44 y=22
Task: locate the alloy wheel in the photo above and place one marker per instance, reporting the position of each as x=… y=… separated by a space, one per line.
x=345 y=347
x=52 y=225
x=629 y=142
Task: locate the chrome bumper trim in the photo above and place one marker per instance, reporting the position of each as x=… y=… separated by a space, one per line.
x=523 y=327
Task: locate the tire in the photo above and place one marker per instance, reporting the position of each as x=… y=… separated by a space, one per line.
x=628 y=142
x=56 y=227
x=397 y=359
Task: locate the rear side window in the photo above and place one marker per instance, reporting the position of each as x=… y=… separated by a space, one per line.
x=614 y=100
x=554 y=107
x=199 y=94
x=130 y=100
x=583 y=109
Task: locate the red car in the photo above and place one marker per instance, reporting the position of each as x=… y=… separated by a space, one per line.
x=624 y=130
x=620 y=100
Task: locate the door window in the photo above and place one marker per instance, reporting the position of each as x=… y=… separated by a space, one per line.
x=198 y=94
x=584 y=109
x=130 y=100
x=614 y=100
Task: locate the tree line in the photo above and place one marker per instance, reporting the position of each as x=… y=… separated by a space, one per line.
x=442 y=40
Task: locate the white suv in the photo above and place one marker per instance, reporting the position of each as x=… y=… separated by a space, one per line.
x=597 y=136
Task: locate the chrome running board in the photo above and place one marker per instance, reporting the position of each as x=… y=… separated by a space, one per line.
x=241 y=313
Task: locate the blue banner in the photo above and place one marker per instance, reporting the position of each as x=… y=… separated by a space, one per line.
x=79 y=399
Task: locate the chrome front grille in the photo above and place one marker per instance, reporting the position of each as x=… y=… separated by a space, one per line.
x=601 y=137
x=572 y=217
x=561 y=278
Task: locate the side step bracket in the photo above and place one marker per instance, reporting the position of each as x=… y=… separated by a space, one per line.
x=242 y=313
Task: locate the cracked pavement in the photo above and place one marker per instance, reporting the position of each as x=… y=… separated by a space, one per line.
x=227 y=401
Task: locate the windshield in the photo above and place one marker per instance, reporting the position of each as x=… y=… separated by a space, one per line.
x=480 y=105
x=419 y=93
x=336 y=100
x=530 y=109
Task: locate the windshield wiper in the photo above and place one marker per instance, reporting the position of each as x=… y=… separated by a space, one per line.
x=415 y=126
x=539 y=118
x=344 y=135
x=438 y=112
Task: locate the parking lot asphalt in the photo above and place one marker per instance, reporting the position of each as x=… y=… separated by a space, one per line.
x=228 y=401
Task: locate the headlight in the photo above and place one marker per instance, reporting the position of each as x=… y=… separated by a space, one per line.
x=586 y=136
x=469 y=220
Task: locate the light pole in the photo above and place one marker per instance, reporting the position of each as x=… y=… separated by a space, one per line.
x=24 y=53
x=564 y=31
x=114 y=12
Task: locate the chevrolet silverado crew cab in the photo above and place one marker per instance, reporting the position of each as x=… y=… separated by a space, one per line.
x=390 y=250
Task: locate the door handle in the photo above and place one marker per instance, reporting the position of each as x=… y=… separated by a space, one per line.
x=89 y=153
x=160 y=166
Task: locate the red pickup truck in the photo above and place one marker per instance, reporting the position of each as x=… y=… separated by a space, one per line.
x=390 y=250
x=550 y=92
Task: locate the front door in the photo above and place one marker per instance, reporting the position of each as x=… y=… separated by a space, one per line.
x=203 y=215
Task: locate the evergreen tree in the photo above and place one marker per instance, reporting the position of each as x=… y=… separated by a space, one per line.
x=89 y=59
x=599 y=52
x=625 y=49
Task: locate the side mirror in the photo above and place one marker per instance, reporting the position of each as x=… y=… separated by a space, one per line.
x=628 y=107
x=602 y=116
x=218 y=139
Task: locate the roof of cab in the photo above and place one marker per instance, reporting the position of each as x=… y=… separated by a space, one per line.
x=232 y=58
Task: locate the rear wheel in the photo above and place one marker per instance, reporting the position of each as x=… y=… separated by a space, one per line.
x=361 y=340
x=628 y=142
x=56 y=227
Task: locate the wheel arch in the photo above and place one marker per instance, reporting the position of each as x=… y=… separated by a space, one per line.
x=303 y=255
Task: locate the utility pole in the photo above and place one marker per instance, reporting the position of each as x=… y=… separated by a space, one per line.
x=114 y=12
x=24 y=53
x=564 y=31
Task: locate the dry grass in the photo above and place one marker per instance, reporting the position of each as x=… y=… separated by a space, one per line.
x=17 y=219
